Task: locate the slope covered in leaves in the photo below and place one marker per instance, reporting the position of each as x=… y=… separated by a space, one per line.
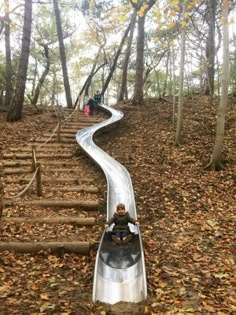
x=187 y=214
x=187 y=220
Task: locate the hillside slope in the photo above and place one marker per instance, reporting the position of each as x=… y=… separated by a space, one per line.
x=187 y=215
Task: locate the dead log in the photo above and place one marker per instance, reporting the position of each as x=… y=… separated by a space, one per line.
x=57 y=248
x=51 y=220
x=85 y=204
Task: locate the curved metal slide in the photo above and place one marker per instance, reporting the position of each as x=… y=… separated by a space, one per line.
x=119 y=273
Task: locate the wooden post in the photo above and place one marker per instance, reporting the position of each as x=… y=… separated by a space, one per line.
x=33 y=167
x=38 y=180
x=59 y=132
x=1 y=193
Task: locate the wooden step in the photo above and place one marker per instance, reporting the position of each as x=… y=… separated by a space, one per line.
x=63 y=135
x=87 y=189
x=45 y=169
x=14 y=171
x=54 y=140
x=46 y=203
x=20 y=163
x=42 y=149
x=39 y=155
x=46 y=179
x=80 y=221
x=59 y=248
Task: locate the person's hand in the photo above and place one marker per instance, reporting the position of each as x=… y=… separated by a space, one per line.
x=137 y=223
x=106 y=225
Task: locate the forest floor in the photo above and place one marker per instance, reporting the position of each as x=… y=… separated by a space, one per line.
x=187 y=217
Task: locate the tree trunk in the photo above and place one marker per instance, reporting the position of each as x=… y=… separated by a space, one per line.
x=44 y=74
x=138 y=87
x=113 y=67
x=15 y=110
x=88 y=81
x=62 y=54
x=173 y=85
x=167 y=73
x=181 y=86
x=210 y=47
x=8 y=56
x=216 y=158
x=123 y=87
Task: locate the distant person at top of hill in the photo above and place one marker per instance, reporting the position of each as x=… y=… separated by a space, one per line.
x=98 y=97
x=91 y=104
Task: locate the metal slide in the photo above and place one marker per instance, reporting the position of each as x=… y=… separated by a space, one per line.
x=119 y=273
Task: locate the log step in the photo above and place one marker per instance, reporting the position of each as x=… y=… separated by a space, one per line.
x=87 y=205
x=61 y=170
x=40 y=155
x=92 y=190
x=59 y=248
x=57 y=180
x=51 y=145
x=62 y=135
x=46 y=163
x=42 y=140
x=15 y=171
x=51 y=220
x=42 y=149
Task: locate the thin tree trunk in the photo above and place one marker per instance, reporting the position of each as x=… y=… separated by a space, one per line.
x=173 y=85
x=113 y=67
x=216 y=158
x=15 y=110
x=8 y=95
x=44 y=74
x=62 y=54
x=138 y=86
x=210 y=47
x=123 y=87
x=167 y=73
x=181 y=86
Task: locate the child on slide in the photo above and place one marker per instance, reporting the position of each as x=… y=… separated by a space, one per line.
x=121 y=231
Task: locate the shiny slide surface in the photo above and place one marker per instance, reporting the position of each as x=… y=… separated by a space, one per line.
x=119 y=273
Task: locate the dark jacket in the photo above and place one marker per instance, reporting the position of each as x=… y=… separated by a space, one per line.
x=121 y=221
x=91 y=103
x=97 y=98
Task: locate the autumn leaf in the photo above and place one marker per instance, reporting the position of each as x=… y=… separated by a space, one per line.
x=162 y=284
x=44 y=296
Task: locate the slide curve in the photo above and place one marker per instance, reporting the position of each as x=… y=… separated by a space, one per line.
x=119 y=273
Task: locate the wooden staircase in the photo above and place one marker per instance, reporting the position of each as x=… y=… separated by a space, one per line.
x=64 y=218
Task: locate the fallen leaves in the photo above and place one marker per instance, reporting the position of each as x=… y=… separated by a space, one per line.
x=187 y=224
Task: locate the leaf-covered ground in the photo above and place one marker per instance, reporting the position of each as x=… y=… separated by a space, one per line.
x=187 y=217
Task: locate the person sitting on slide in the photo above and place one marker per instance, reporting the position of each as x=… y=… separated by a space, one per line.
x=121 y=231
